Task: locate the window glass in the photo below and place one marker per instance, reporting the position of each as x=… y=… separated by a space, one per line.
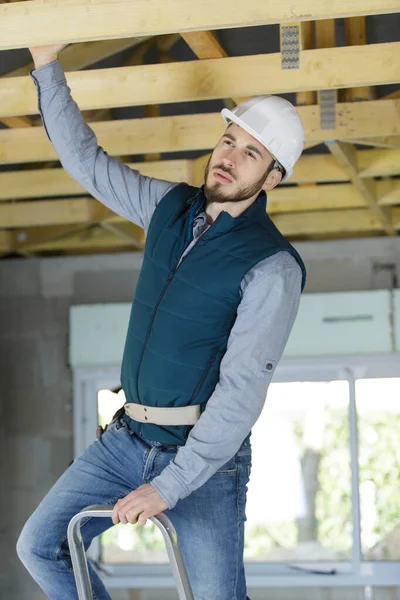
x=378 y=409
x=299 y=498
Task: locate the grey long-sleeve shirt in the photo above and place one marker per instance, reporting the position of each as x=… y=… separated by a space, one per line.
x=270 y=293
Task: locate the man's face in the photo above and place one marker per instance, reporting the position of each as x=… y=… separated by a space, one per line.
x=238 y=168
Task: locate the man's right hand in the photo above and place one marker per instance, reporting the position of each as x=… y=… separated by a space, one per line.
x=43 y=55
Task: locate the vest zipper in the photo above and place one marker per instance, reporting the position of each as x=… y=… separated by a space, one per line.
x=169 y=279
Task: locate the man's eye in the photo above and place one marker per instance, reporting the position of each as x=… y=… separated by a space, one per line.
x=228 y=142
x=250 y=154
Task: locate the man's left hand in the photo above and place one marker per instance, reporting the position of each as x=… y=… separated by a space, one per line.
x=138 y=506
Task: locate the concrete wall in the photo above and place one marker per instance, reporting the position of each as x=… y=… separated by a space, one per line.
x=36 y=385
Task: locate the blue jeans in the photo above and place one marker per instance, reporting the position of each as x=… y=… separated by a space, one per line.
x=209 y=522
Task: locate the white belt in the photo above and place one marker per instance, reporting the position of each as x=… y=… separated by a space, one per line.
x=185 y=415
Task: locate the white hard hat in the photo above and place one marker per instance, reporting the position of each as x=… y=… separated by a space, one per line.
x=274 y=122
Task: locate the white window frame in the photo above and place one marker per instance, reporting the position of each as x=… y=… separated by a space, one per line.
x=355 y=572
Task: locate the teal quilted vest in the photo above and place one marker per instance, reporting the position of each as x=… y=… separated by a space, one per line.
x=181 y=316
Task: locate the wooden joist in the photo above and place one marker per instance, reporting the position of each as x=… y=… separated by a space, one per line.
x=25 y=24
x=377 y=118
x=322 y=69
x=52 y=212
x=379 y=142
x=47 y=183
x=318 y=223
x=308 y=97
x=205 y=45
x=39 y=240
x=80 y=56
x=355 y=35
x=345 y=154
x=289 y=199
x=327 y=222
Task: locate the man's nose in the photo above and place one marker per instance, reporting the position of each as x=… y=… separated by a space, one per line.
x=229 y=159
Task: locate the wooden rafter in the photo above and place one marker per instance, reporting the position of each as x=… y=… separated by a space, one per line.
x=354 y=29
x=205 y=45
x=87 y=210
x=47 y=183
x=345 y=154
x=94 y=237
x=328 y=222
x=308 y=97
x=35 y=23
x=328 y=68
x=52 y=212
x=80 y=56
x=317 y=223
x=379 y=142
x=377 y=118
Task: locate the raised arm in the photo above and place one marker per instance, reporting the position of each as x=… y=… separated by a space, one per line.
x=120 y=188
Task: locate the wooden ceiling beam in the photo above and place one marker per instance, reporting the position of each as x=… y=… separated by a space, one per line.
x=354 y=29
x=327 y=222
x=393 y=95
x=47 y=183
x=321 y=69
x=52 y=212
x=285 y=199
x=324 y=223
x=307 y=42
x=205 y=45
x=94 y=237
x=345 y=154
x=166 y=42
x=16 y=122
x=127 y=231
x=328 y=197
x=377 y=118
x=377 y=163
x=379 y=142
x=25 y=24
x=80 y=56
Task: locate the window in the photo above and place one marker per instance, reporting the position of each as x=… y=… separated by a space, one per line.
x=299 y=501
x=378 y=409
x=322 y=502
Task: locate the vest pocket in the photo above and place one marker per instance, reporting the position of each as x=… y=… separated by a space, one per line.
x=203 y=378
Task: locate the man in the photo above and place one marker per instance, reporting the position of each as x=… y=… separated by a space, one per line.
x=215 y=302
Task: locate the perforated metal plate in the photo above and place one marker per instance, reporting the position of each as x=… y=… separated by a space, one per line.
x=327 y=106
x=290 y=46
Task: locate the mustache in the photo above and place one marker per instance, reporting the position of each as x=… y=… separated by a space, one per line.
x=222 y=168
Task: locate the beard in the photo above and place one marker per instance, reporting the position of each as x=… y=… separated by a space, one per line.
x=216 y=192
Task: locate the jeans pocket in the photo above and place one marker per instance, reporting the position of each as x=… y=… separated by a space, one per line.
x=229 y=468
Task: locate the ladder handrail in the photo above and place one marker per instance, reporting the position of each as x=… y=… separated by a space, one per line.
x=79 y=560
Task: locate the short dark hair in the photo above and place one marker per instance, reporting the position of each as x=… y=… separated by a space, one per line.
x=275 y=164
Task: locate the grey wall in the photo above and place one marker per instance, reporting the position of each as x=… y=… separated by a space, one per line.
x=36 y=384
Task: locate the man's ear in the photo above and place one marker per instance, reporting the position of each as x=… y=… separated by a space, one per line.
x=274 y=177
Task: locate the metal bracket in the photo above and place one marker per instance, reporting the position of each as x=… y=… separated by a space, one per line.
x=327 y=108
x=290 y=46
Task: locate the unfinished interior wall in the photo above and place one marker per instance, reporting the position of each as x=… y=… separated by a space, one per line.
x=36 y=382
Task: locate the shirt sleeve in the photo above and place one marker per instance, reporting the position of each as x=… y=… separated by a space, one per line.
x=264 y=320
x=122 y=189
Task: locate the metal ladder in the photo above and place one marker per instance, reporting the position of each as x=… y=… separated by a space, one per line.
x=79 y=561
